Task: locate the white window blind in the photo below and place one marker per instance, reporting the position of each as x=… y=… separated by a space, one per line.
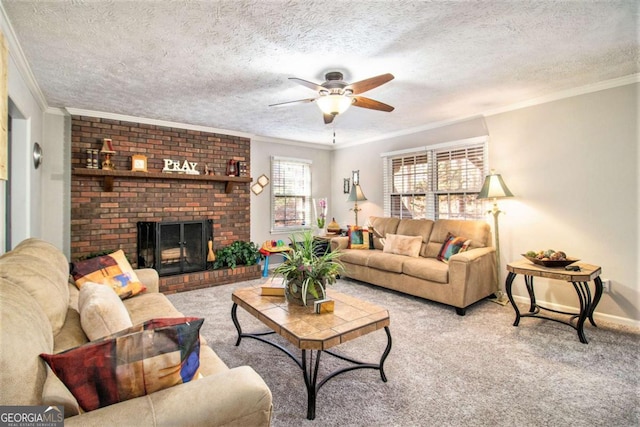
x=436 y=182
x=290 y=193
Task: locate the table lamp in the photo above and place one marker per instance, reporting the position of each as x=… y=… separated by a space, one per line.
x=495 y=188
x=108 y=151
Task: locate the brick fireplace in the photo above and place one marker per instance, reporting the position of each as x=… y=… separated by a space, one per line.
x=107 y=220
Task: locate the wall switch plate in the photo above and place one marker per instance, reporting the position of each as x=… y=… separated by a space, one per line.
x=606 y=286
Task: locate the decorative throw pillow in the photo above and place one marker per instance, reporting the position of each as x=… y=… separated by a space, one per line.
x=140 y=360
x=112 y=270
x=358 y=238
x=403 y=245
x=451 y=246
x=101 y=310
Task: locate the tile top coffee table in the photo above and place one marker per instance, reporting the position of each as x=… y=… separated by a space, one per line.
x=313 y=334
x=579 y=279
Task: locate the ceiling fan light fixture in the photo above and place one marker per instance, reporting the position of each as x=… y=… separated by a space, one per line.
x=334 y=104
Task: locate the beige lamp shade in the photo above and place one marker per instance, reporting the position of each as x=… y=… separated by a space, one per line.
x=494 y=188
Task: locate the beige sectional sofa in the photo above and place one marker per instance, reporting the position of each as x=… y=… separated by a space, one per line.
x=468 y=276
x=39 y=314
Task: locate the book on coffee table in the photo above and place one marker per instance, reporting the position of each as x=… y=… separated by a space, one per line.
x=274 y=286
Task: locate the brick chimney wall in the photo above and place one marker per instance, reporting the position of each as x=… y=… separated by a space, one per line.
x=103 y=220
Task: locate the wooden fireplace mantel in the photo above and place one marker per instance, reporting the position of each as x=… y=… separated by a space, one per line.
x=109 y=175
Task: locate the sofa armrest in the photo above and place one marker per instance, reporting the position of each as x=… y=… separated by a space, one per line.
x=149 y=278
x=238 y=396
x=473 y=275
x=340 y=242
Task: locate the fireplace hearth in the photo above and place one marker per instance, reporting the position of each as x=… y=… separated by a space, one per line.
x=174 y=247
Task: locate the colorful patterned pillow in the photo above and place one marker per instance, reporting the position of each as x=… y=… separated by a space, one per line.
x=112 y=270
x=451 y=246
x=358 y=238
x=140 y=360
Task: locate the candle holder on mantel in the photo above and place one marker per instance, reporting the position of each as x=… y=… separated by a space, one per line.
x=108 y=151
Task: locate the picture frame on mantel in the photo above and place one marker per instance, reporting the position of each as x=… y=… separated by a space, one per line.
x=139 y=163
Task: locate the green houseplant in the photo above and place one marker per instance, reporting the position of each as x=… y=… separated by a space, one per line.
x=307 y=270
x=237 y=253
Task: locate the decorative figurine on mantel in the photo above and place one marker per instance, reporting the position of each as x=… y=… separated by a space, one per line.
x=107 y=150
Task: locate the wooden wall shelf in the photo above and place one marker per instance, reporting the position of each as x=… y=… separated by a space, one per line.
x=109 y=175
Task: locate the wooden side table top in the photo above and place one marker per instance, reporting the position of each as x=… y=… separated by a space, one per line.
x=307 y=330
x=587 y=272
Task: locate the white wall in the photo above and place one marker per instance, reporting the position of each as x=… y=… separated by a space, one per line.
x=573 y=166
x=321 y=171
x=56 y=180
x=25 y=181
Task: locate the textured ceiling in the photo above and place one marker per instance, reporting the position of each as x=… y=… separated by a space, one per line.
x=221 y=63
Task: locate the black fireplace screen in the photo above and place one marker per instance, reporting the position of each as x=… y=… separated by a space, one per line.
x=174 y=247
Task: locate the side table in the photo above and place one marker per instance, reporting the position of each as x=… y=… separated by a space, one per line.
x=579 y=279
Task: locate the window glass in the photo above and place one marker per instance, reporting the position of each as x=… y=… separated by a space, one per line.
x=441 y=182
x=290 y=193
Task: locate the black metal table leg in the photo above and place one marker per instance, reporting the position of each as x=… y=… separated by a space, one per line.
x=584 y=297
x=528 y=280
x=596 y=299
x=234 y=318
x=508 y=286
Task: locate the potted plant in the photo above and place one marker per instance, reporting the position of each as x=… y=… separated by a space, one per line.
x=307 y=270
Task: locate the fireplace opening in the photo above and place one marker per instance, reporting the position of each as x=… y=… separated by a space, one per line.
x=174 y=247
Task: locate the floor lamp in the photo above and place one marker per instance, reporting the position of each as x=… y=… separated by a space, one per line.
x=495 y=188
x=356 y=195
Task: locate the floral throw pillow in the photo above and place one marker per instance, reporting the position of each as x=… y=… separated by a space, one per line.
x=112 y=270
x=451 y=246
x=134 y=362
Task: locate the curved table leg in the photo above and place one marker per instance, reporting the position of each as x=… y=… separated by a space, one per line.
x=234 y=318
x=508 y=284
x=528 y=280
x=584 y=296
x=596 y=299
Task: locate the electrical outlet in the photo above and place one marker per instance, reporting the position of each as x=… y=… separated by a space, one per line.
x=606 y=286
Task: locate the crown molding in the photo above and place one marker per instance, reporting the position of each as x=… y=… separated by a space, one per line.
x=155 y=122
x=17 y=54
x=569 y=93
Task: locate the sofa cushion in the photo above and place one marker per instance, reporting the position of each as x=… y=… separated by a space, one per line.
x=43 y=271
x=426 y=269
x=355 y=257
x=149 y=306
x=102 y=312
x=402 y=245
x=358 y=238
x=451 y=246
x=112 y=270
x=387 y=262
x=479 y=232
x=382 y=226
x=140 y=360
x=25 y=333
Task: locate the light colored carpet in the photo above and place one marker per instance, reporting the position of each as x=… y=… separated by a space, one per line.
x=444 y=369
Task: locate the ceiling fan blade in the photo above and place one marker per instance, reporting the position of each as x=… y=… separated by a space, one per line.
x=299 y=101
x=310 y=85
x=368 y=84
x=328 y=118
x=362 y=102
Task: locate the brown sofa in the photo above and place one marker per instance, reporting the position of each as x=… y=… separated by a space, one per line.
x=39 y=314
x=467 y=278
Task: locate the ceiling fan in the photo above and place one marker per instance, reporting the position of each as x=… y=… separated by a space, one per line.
x=335 y=95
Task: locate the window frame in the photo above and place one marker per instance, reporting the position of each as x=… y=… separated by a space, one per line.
x=432 y=154
x=278 y=184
